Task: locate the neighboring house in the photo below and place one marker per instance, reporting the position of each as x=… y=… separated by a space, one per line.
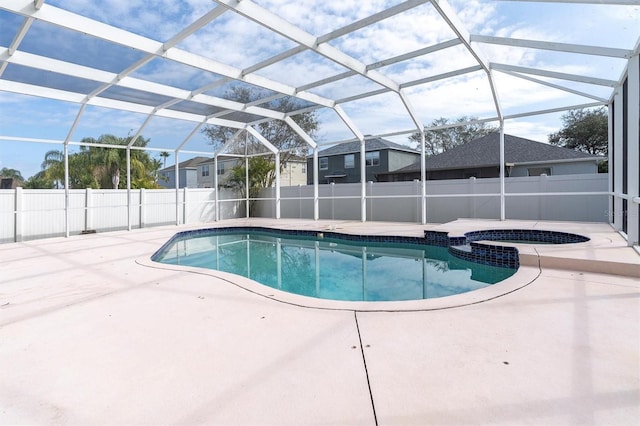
x=205 y=171
x=341 y=163
x=293 y=171
x=187 y=172
x=480 y=158
x=10 y=182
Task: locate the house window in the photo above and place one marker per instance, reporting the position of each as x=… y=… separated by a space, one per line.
x=372 y=158
x=205 y=170
x=537 y=171
x=220 y=169
x=304 y=168
x=324 y=163
x=349 y=161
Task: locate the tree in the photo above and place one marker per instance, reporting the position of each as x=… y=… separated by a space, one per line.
x=437 y=141
x=584 y=130
x=53 y=167
x=11 y=173
x=277 y=132
x=261 y=175
x=164 y=155
x=110 y=164
x=100 y=167
x=39 y=181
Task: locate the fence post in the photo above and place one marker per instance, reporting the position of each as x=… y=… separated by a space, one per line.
x=472 y=199
x=142 y=209
x=543 y=199
x=417 y=191
x=184 y=204
x=299 y=201
x=370 y=200
x=333 y=201
x=88 y=214
x=18 y=215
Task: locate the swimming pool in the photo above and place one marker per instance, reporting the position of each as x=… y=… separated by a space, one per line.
x=332 y=266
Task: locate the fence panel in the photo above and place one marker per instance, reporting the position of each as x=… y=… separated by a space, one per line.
x=108 y=209
x=159 y=207
x=29 y=214
x=201 y=205
x=449 y=200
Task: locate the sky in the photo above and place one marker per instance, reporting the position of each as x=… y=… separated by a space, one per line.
x=240 y=43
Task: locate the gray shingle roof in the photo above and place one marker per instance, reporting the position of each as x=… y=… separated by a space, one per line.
x=375 y=144
x=485 y=151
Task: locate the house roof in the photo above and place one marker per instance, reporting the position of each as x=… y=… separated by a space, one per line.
x=193 y=162
x=374 y=144
x=485 y=152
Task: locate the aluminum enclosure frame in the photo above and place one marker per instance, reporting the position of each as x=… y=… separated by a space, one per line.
x=170 y=50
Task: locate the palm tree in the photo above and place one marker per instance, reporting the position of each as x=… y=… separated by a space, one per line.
x=11 y=173
x=111 y=163
x=164 y=155
x=53 y=166
x=101 y=167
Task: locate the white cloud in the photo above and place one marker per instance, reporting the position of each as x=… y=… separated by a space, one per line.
x=236 y=41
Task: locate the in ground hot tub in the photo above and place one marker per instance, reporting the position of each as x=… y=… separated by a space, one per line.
x=467 y=247
x=525 y=236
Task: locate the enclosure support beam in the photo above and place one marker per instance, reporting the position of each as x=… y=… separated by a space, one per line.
x=216 y=189
x=128 y=188
x=617 y=160
x=176 y=174
x=316 y=201
x=278 y=185
x=633 y=150
x=502 y=174
x=420 y=127
x=363 y=180
x=610 y=160
x=423 y=178
x=66 y=190
x=246 y=182
x=363 y=176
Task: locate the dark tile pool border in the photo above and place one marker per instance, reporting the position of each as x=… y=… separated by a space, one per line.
x=499 y=256
x=531 y=236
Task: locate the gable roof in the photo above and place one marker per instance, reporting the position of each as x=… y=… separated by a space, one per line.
x=374 y=144
x=485 y=152
x=191 y=163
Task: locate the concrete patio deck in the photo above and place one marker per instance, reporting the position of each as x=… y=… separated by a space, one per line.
x=91 y=335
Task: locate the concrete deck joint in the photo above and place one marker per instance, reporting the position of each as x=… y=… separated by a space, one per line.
x=366 y=371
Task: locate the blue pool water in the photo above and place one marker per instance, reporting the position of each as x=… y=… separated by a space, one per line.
x=331 y=267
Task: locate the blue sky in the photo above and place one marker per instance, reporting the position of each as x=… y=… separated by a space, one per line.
x=241 y=43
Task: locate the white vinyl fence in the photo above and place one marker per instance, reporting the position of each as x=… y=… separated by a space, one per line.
x=27 y=214
x=580 y=198
x=31 y=214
